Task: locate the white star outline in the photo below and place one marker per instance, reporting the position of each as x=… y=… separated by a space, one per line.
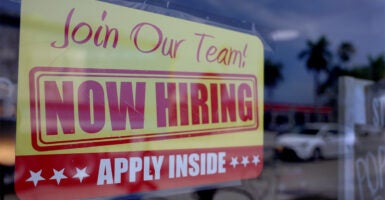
x=256 y=160
x=234 y=161
x=245 y=161
x=35 y=177
x=81 y=174
x=58 y=175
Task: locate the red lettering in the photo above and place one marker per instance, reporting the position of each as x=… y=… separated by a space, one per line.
x=222 y=56
x=120 y=107
x=214 y=103
x=212 y=50
x=87 y=33
x=66 y=30
x=59 y=108
x=236 y=55
x=135 y=37
x=199 y=108
x=206 y=103
x=228 y=108
x=108 y=33
x=91 y=106
x=245 y=108
x=77 y=28
x=225 y=56
x=171 y=49
x=166 y=100
x=184 y=109
x=177 y=104
x=202 y=38
x=169 y=46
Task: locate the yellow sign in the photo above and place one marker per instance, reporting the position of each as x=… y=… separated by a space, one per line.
x=95 y=77
x=78 y=107
x=98 y=79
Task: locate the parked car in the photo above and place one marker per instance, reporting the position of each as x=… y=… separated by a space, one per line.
x=312 y=141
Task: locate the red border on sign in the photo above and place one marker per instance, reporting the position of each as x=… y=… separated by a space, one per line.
x=38 y=72
x=70 y=186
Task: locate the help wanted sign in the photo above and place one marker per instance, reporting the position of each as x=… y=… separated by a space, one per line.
x=114 y=101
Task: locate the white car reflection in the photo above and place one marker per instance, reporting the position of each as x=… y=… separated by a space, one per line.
x=313 y=141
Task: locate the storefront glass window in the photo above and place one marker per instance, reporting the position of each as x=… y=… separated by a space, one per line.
x=192 y=100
